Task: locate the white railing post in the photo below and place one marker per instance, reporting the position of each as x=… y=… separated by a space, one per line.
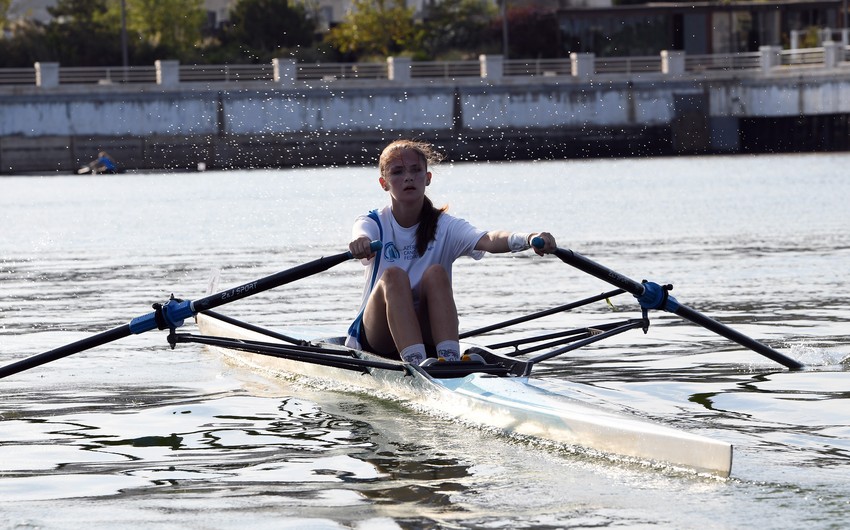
x=398 y=68
x=167 y=73
x=795 y=38
x=831 y=54
x=285 y=71
x=492 y=66
x=672 y=62
x=771 y=57
x=582 y=64
x=46 y=75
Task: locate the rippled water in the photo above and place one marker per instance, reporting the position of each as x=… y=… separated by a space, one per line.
x=134 y=433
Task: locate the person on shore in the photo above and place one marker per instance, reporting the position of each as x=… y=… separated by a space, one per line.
x=408 y=306
x=103 y=164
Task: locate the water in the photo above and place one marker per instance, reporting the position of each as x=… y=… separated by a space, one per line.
x=133 y=433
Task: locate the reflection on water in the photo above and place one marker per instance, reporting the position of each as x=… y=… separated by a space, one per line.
x=240 y=440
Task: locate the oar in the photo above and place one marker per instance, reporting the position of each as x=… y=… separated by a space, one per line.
x=653 y=296
x=171 y=314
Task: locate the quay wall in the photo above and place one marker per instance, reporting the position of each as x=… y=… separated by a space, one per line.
x=268 y=124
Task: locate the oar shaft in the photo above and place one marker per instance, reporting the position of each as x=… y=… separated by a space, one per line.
x=172 y=313
x=602 y=272
x=64 y=351
x=672 y=305
x=175 y=312
x=735 y=336
x=269 y=282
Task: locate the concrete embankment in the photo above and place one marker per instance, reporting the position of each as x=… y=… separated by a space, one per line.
x=262 y=124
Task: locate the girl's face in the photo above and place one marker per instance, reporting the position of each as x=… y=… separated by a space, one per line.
x=405 y=176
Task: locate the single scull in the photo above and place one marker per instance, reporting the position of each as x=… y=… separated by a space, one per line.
x=493 y=393
x=489 y=389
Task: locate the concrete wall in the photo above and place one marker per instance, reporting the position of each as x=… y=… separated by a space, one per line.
x=260 y=124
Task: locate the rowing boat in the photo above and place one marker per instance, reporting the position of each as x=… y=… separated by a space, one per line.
x=493 y=394
x=490 y=388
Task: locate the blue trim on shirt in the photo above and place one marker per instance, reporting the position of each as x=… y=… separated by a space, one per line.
x=355 y=328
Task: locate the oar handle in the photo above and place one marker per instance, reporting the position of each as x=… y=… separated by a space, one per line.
x=653 y=296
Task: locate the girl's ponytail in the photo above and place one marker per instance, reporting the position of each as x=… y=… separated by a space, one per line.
x=427 y=229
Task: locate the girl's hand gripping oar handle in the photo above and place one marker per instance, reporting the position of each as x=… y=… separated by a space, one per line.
x=653 y=296
x=172 y=314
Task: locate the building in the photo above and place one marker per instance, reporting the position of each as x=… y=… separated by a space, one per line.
x=696 y=28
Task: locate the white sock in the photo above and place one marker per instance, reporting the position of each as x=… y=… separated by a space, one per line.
x=413 y=354
x=449 y=350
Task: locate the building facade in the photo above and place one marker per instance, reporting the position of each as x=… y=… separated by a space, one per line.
x=696 y=28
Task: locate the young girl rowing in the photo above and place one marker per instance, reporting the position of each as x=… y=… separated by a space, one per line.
x=408 y=301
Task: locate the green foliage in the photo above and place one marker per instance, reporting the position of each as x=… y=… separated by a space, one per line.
x=172 y=26
x=464 y=25
x=80 y=34
x=811 y=39
x=267 y=25
x=4 y=13
x=376 y=27
x=27 y=46
x=448 y=28
x=88 y=33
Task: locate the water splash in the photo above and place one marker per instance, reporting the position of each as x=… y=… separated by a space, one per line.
x=821 y=355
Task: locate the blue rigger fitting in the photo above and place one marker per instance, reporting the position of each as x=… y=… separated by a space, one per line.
x=657 y=297
x=175 y=311
x=169 y=315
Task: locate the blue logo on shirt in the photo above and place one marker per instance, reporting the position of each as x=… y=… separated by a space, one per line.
x=391 y=252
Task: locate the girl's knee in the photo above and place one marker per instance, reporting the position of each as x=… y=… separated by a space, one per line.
x=395 y=278
x=436 y=276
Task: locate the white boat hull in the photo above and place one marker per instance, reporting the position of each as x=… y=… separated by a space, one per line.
x=518 y=405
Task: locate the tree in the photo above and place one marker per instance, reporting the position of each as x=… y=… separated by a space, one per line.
x=26 y=46
x=171 y=26
x=4 y=13
x=376 y=27
x=461 y=25
x=80 y=35
x=264 y=26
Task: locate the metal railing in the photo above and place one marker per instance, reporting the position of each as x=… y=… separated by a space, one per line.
x=215 y=73
x=445 y=69
x=802 y=56
x=94 y=75
x=419 y=69
x=537 y=67
x=723 y=62
x=17 y=76
x=332 y=71
x=628 y=65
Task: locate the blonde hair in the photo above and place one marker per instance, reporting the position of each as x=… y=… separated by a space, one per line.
x=429 y=215
x=425 y=151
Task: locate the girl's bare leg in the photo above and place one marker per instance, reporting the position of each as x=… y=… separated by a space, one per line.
x=390 y=319
x=439 y=303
